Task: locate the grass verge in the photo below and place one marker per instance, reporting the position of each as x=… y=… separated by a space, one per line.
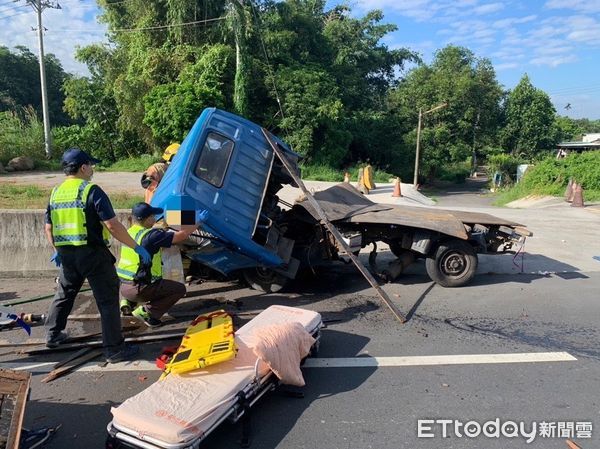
x=34 y=197
x=325 y=173
x=132 y=164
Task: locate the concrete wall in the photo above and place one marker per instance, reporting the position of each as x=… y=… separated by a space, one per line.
x=24 y=250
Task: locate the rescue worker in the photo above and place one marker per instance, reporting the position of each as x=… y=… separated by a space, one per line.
x=143 y=283
x=79 y=220
x=154 y=174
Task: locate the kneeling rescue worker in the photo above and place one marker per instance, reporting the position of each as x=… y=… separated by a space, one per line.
x=143 y=283
x=79 y=219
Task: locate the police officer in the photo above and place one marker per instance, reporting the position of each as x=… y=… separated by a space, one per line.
x=79 y=221
x=145 y=284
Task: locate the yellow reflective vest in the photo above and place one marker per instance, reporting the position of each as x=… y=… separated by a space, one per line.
x=129 y=261
x=67 y=213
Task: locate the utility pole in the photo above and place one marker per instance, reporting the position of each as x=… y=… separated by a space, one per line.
x=474 y=155
x=39 y=6
x=417 y=155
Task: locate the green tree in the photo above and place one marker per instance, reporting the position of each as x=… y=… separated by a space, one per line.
x=588 y=126
x=530 y=125
x=172 y=108
x=20 y=83
x=568 y=129
x=469 y=122
x=305 y=72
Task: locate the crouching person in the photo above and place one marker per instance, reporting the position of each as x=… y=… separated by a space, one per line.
x=143 y=284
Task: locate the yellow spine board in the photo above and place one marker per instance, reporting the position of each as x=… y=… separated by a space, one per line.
x=208 y=340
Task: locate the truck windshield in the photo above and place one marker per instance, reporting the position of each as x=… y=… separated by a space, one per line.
x=214 y=159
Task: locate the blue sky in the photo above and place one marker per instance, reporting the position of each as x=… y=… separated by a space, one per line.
x=556 y=42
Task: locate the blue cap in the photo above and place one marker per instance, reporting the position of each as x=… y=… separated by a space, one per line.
x=142 y=211
x=75 y=156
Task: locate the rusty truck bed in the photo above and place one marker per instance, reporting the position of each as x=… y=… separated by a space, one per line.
x=343 y=202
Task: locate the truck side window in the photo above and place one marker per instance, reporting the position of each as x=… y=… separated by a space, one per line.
x=214 y=159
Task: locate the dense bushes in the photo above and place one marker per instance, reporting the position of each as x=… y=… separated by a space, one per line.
x=21 y=134
x=505 y=164
x=584 y=167
x=550 y=177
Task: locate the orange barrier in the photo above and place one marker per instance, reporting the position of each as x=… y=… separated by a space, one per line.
x=361 y=186
x=577 y=196
x=573 y=187
x=569 y=189
x=397 y=188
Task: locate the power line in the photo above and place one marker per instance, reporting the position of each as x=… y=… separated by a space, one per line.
x=575 y=88
x=264 y=49
x=8 y=3
x=158 y=27
x=13 y=15
x=16 y=7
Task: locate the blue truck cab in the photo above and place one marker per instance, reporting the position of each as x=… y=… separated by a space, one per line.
x=226 y=166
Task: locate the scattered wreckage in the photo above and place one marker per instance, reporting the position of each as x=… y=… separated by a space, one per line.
x=228 y=166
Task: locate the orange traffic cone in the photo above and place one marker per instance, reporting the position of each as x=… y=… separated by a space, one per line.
x=569 y=189
x=397 y=188
x=362 y=188
x=346 y=177
x=573 y=187
x=577 y=196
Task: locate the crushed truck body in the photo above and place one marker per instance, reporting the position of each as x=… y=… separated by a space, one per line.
x=226 y=166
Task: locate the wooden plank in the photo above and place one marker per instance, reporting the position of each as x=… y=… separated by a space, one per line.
x=13 y=406
x=73 y=339
x=71 y=357
x=72 y=364
x=333 y=230
x=42 y=341
x=98 y=343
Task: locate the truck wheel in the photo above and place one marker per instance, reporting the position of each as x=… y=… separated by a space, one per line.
x=265 y=279
x=453 y=265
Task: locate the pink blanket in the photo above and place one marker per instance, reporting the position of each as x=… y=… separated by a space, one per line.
x=282 y=347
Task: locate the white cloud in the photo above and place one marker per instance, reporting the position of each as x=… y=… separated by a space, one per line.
x=583 y=29
x=488 y=9
x=587 y=6
x=553 y=61
x=419 y=10
x=508 y=22
x=57 y=39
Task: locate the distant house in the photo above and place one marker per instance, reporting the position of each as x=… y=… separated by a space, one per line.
x=594 y=137
x=589 y=142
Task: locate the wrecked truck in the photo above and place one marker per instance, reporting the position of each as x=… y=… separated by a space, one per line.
x=227 y=166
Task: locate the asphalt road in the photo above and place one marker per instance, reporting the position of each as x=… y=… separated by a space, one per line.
x=368 y=406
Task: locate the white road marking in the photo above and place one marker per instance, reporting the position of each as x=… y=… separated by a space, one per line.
x=343 y=362
x=469 y=359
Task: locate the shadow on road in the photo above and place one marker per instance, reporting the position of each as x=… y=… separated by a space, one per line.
x=275 y=416
x=272 y=417
x=5 y=296
x=522 y=263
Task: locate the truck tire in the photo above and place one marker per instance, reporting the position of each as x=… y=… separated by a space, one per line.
x=265 y=279
x=453 y=264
